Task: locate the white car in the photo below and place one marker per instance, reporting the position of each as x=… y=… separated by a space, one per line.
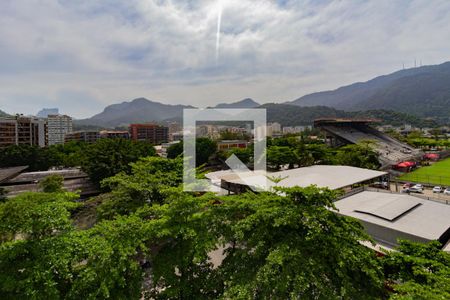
x=418 y=186
x=412 y=190
x=438 y=189
x=447 y=191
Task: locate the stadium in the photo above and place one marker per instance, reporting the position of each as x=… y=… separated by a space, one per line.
x=340 y=132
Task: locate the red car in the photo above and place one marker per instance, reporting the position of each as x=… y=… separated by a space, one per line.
x=407 y=185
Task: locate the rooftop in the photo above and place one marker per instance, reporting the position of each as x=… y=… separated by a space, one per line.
x=343 y=120
x=325 y=176
x=391 y=216
x=8 y=173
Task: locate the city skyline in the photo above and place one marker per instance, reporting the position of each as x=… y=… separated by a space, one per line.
x=83 y=56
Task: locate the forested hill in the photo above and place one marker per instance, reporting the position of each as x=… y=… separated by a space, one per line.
x=422 y=91
x=136 y=111
x=291 y=115
x=143 y=110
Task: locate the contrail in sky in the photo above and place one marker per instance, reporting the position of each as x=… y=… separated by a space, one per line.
x=219 y=24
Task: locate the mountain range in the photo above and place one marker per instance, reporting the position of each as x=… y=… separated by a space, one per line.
x=143 y=110
x=412 y=94
x=292 y=115
x=422 y=91
x=245 y=103
x=135 y=111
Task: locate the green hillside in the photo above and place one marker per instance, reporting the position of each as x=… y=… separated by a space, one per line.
x=292 y=115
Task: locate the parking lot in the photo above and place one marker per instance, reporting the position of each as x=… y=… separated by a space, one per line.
x=427 y=192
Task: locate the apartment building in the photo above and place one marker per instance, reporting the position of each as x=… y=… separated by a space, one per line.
x=231 y=144
x=20 y=130
x=115 y=134
x=58 y=127
x=82 y=136
x=152 y=133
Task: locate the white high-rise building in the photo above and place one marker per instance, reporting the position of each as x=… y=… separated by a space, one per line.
x=276 y=127
x=273 y=128
x=57 y=127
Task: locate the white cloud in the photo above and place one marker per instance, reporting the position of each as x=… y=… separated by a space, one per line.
x=53 y=52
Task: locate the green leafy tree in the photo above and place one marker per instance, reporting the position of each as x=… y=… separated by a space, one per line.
x=280 y=155
x=149 y=179
x=181 y=267
x=37 y=159
x=108 y=157
x=294 y=247
x=418 y=271
x=69 y=154
x=43 y=256
x=229 y=135
x=36 y=215
x=286 y=141
x=52 y=184
x=304 y=158
x=359 y=155
x=415 y=134
x=245 y=155
x=205 y=149
x=3 y=193
x=320 y=153
x=98 y=263
x=175 y=150
x=41 y=159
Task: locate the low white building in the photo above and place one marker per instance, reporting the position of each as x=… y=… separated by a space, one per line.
x=164 y=147
x=388 y=217
x=324 y=176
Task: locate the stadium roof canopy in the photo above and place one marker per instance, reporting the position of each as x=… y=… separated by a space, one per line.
x=330 y=121
x=332 y=177
x=388 y=217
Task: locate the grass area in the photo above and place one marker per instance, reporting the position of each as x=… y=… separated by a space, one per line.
x=438 y=174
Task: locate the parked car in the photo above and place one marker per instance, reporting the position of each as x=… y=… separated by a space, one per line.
x=413 y=189
x=447 y=191
x=381 y=185
x=438 y=189
x=407 y=185
x=418 y=186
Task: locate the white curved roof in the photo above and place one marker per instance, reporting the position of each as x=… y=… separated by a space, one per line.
x=332 y=177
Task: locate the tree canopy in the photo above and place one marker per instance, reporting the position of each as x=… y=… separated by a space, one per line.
x=108 y=157
x=418 y=271
x=150 y=239
x=52 y=184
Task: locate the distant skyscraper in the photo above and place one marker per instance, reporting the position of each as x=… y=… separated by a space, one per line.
x=45 y=112
x=58 y=127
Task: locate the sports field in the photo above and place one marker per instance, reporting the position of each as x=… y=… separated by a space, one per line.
x=438 y=174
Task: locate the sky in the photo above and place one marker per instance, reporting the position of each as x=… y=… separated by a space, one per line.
x=83 y=55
